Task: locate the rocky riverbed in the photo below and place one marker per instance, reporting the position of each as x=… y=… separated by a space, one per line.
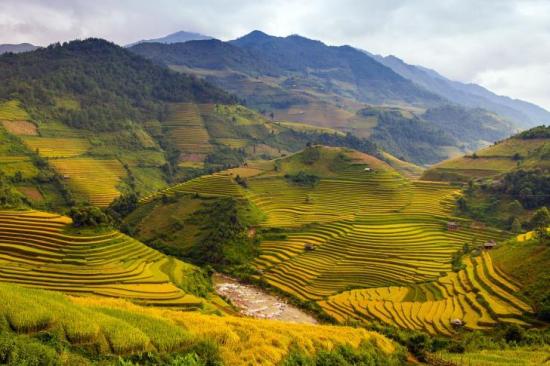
x=255 y=302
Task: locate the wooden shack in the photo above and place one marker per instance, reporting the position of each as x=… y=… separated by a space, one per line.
x=489 y=244
x=452 y=226
x=309 y=247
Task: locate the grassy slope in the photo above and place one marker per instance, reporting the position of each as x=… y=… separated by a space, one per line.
x=94 y=328
x=527 y=261
x=505 y=156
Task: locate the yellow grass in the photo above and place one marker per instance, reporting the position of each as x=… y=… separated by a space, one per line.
x=12 y=111
x=50 y=147
x=93 y=179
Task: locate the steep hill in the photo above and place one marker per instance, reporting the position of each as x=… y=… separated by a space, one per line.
x=17 y=48
x=523 y=114
x=527 y=150
x=345 y=231
x=96 y=85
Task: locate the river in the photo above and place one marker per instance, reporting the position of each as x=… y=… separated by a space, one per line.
x=255 y=302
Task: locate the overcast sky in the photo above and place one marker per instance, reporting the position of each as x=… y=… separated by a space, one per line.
x=503 y=45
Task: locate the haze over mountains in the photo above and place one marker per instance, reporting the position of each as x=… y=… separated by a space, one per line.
x=524 y=114
x=17 y=48
x=181 y=36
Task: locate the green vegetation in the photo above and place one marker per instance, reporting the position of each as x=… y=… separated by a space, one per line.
x=540 y=132
x=224 y=237
x=527 y=261
x=109 y=84
x=88 y=216
x=48 y=328
x=303 y=179
x=366 y=354
x=515 y=153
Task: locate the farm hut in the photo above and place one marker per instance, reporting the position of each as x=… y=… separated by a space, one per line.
x=452 y=226
x=489 y=244
x=457 y=322
x=309 y=247
x=477 y=225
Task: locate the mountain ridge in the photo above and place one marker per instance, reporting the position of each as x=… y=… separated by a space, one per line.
x=177 y=37
x=524 y=114
x=17 y=48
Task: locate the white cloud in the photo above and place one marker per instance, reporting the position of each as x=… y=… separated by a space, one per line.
x=501 y=44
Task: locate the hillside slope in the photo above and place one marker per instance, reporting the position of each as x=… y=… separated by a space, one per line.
x=527 y=150
x=343 y=231
x=301 y=80
x=42 y=327
x=87 y=121
x=42 y=250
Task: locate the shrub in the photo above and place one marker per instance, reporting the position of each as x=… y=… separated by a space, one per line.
x=88 y=216
x=23 y=350
x=303 y=179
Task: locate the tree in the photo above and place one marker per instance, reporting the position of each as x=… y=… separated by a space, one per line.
x=89 y=216
x=540 y=222
x=516 y=226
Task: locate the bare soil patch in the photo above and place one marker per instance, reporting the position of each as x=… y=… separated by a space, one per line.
x=22 y=128
x=31 y=193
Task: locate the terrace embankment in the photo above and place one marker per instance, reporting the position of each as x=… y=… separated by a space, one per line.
x=255 y=302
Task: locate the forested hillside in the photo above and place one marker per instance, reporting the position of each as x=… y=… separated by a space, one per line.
x=96 y=85
x=301 y=80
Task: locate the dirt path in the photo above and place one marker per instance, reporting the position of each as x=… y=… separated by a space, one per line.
x=255 y=302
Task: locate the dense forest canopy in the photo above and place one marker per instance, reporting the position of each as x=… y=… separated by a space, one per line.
x=96 y=85
x=539 y=132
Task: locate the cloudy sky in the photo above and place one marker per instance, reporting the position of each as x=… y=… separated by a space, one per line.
x=503 y=45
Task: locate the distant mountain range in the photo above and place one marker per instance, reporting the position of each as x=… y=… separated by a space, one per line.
x=303 y=71
x=17 y=48
x=413 y=112
x=181 y=36
x=524 y=114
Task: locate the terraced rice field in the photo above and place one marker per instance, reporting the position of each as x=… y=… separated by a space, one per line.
x=92 y=179
x=185 y=127
x=208 y=185
x=50 y=147
x=479 y=296
x=10 y=165
x=375 y=231
x=36 y=252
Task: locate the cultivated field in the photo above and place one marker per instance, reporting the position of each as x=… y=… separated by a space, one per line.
x=92 y=179
x=117 y=327
x=187 y=132
x=50 y=147
x=504 y=156
x=478 y=295
x=364 y=226
x=35 y=251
